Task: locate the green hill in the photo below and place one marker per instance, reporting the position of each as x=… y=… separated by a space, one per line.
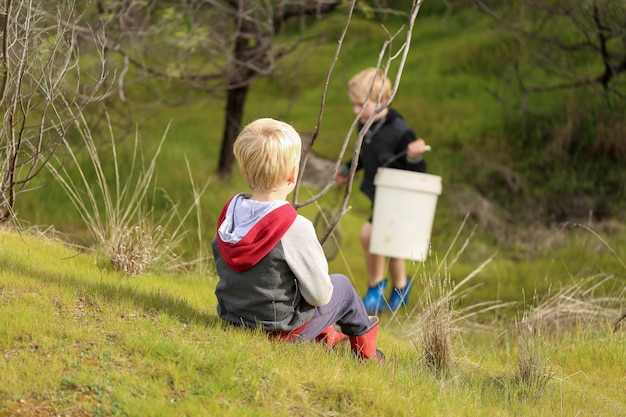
x=79 y=340
x=528 y=226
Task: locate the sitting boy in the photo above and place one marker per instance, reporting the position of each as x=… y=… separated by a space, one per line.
x=272 y=270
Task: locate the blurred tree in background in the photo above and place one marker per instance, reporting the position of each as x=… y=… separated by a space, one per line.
x=564 y=81
x=215 y=46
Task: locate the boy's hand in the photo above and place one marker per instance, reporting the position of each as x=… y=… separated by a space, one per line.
x=340 y=180
x=416 y=148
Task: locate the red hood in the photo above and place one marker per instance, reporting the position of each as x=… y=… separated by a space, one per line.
x=259 y=240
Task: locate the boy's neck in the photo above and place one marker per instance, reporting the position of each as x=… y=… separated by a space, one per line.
x=267 y=196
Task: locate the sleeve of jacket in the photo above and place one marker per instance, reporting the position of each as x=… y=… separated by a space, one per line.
x=305 y=257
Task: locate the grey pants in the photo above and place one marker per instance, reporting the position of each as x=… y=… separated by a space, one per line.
x=345 y=308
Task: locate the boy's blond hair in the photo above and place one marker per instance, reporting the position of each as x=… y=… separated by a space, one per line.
x=360 y=85
x=267 y=150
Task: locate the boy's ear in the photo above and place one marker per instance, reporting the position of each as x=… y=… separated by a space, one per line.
x=293 y=175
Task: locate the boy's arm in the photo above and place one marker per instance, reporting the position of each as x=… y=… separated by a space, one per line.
x=306 y=259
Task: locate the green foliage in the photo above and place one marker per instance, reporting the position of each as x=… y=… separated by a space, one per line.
x=566 y=154
x=485 y=55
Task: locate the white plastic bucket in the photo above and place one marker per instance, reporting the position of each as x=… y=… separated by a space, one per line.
x=404 y=210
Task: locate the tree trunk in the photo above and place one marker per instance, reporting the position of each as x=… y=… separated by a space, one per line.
x=235 y=101
x=252 y=47
x=238 y=81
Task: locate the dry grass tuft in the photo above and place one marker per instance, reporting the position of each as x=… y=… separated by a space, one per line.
x=132 y=252
x=531 y=373
x=589 y=304
x=532 y=370
x=436 y=324
x=440 y=315
x=439 y=311
x=593 y=302
x=134 y=241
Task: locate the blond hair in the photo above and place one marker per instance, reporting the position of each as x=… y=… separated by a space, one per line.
x=360 y=84
x=267 y=150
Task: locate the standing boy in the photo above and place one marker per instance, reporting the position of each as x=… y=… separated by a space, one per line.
x=272 y=270
x=389 y=142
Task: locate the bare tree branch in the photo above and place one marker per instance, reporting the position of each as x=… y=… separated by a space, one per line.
x=599 y=25
x=43 y=90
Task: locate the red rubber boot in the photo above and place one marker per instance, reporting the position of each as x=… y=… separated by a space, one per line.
x=330 y=336
x=364 y=346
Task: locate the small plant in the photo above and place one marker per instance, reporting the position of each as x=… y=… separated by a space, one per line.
x=133 y=251
x=133 y=241
x=436 y=317
x=531 y=374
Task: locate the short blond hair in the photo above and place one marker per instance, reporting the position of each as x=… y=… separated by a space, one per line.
x=360 y=84
x=267 y=150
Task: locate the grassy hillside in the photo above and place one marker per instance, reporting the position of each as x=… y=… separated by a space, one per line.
x=526 y=312
x=79 y=340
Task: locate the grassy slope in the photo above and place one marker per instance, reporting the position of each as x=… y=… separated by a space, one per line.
x=77 y=340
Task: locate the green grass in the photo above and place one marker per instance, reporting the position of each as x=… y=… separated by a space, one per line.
x=77 y=339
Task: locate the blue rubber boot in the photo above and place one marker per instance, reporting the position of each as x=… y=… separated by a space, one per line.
x=399 y=298
x=374 y=299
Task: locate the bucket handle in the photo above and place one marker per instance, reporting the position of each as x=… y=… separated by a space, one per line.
x=400 y=155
